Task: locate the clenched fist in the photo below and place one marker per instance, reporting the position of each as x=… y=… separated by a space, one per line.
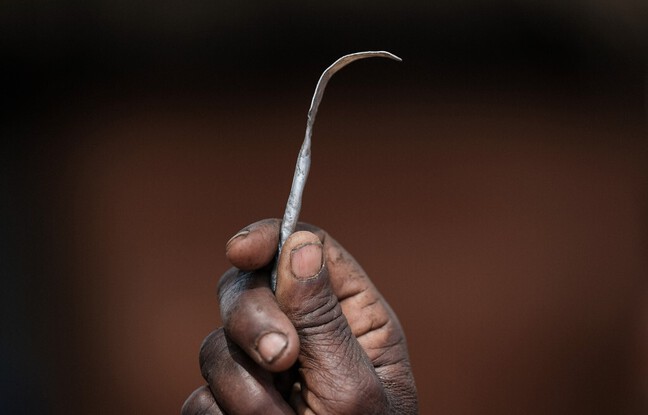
x=325 y=342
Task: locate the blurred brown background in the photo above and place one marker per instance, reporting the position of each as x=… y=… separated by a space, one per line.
x=494 y=185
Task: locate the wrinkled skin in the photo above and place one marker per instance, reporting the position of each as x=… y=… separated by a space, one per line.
x=333 y=344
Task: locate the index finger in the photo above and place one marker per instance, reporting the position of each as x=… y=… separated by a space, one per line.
x=255 y=247
x=253 y=320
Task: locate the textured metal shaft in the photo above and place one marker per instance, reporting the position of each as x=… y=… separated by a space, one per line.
x=293 y=207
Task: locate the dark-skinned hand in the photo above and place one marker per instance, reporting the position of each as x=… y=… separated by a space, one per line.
x=325 y=342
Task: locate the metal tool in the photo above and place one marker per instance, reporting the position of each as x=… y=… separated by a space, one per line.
x=293 y=207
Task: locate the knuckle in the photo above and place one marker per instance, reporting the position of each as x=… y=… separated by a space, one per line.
x=226 y=280
x=321 y=234
x=318 y=312
x=211 y=350
x=201 y=401
x=237 y=294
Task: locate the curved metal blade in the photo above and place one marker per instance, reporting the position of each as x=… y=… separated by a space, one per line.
x=293 y=206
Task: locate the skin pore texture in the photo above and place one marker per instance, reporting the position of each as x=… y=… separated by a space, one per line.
x=325 y=342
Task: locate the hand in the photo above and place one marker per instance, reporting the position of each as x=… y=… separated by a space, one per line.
x=325 y=342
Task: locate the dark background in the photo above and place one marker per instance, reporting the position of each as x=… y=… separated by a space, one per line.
x=494 y=185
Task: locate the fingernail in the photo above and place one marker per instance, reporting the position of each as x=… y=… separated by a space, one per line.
x=306 y=261
x=271 y=345
x=236 y=237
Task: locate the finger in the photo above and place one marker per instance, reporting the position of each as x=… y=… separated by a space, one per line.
x=370 y=318
x=338 y=376
x=254 y=246
x=374 y=324
x=253 y=320
x=201 y=402
x=238 y=385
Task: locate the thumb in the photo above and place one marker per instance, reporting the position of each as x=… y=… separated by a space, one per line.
x=336 y=374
